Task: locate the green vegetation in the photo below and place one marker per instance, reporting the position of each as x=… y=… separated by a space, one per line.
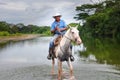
x=105 y=50
x=7 y=29
x=4 y=33
x=100 y=20
x=100 y=31
x=73 y=24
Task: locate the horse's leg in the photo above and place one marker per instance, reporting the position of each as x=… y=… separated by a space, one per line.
x=71 y=67
x=53 y=63
x=59 y=70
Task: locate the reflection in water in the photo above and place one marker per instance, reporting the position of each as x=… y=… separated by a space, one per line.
x=8 y=44
x=102 y=50
x=98 y=50
x=34 y=50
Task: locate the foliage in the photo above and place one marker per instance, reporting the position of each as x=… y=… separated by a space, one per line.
x=101 y=20
x=105 y=50
x=7 y=29
x=4 y=26
x=4 y=33
x=73 y=24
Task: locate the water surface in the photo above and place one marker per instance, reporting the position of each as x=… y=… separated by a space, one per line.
x=26 y=60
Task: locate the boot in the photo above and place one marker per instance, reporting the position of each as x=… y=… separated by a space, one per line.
x=49 y=57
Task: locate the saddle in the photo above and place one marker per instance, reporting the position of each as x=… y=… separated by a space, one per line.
x=57 y=40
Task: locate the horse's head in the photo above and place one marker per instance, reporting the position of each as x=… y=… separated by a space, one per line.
x=74 y=35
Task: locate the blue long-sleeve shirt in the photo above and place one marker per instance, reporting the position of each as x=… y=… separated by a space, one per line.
x=60 y=24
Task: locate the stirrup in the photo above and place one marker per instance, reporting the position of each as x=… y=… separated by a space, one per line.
x=72 y=58
x=49 y=57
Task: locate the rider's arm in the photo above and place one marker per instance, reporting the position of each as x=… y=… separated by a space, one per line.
x=58 y=29
x=63 y=29
x=65 y=26
x=52 y=31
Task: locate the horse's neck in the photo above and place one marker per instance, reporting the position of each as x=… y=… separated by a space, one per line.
x=65 y=42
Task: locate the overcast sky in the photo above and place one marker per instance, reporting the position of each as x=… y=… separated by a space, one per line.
x=38 y=12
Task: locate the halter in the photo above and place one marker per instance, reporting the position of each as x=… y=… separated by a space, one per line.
x=68 y=38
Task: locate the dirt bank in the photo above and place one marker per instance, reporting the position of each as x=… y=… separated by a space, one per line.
x=18 y=38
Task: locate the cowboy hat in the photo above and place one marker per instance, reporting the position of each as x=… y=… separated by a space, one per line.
x=57 y=14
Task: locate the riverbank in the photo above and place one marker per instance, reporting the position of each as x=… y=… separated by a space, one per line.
x=18 y=38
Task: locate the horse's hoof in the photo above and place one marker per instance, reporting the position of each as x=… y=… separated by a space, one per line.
x=59 y=78
x=52 y=73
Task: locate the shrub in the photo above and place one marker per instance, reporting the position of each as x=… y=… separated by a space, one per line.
x=4 y=33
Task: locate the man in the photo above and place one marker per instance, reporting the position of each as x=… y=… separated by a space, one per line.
x=58 y=27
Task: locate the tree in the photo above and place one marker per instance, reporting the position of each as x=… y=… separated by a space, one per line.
x=104 y=22
x=4 y=26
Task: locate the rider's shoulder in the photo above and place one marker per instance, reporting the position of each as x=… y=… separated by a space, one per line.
x=62 y=20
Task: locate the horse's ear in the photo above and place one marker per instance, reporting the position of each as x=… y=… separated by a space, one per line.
x=69 y=26
x=77 y=26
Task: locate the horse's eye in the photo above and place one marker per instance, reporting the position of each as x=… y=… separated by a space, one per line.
x=72 y=32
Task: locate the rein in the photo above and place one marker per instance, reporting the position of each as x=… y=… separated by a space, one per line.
x=67 y=38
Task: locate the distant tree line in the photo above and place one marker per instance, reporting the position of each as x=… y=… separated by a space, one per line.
x=100 y=19
x=6 y=28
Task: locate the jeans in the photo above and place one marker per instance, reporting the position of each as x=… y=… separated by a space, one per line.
x=51 y=45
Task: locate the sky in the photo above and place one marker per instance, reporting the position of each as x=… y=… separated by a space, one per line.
x=38 y=12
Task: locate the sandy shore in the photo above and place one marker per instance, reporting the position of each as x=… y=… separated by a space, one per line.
x=18 y=38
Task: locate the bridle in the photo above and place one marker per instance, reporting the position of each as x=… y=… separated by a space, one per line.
x=70 y=39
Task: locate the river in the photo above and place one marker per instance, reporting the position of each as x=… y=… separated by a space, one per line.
x=26 y=60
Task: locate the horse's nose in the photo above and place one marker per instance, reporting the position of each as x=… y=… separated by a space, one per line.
x=79 y=41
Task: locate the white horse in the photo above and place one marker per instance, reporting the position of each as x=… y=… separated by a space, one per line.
x=62 y=51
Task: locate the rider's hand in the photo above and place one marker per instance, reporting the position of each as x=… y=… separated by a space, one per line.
x=58 y=29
